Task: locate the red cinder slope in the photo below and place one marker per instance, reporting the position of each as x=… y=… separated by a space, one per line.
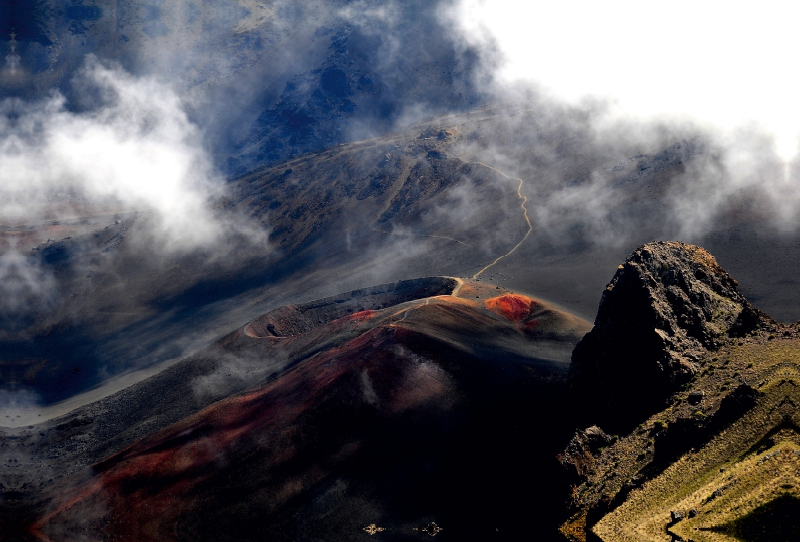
x=378 y=423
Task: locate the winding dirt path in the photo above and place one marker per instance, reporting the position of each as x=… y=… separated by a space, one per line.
x=454 y=293
x=407 y=310
x=524 y=213
x=459 y=284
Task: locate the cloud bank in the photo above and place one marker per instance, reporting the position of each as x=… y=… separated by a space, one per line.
x=724 y=64
x=715 y=72
x=128 y=146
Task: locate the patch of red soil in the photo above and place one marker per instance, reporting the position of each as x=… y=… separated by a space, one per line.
x=361 y=316
x=144 y=489
x=513 y=307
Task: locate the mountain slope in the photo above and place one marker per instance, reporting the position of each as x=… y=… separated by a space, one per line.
x=363 y=415
x=716 y=449
x=437 y=199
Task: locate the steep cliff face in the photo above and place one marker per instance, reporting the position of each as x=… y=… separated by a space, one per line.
x=666 y=306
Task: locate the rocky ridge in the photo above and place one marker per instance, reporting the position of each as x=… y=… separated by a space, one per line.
x=666 y=307
x=696 y=386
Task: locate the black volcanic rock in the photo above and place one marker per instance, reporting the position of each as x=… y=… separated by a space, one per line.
x=667 y=304
x=578 y=456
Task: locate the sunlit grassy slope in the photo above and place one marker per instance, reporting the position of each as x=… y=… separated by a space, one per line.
x=727 y=445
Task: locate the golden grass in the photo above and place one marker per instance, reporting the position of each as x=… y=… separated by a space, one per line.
x=747 y=464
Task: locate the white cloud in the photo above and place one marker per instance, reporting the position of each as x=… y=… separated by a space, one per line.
x=722 y=63
x=136 y=149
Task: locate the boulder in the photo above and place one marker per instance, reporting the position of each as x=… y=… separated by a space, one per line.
x=578 y=457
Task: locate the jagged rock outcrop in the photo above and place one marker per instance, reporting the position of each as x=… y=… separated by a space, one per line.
x=666 y=306
x=578 y=456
